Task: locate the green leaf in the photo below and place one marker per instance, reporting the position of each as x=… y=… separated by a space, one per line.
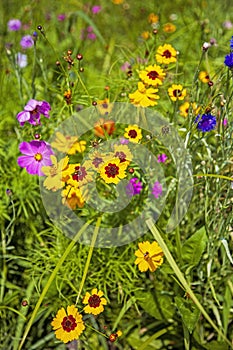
x=215 y=345
x=159 y=306
x=189 y=312
x=194 y=247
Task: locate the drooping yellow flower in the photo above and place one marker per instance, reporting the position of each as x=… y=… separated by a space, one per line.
x=169 y=28
x=152 y=18
x=95 y=302
x=204 y=77
x=166 y=54
x=184 y=109
x=149 y=256
x=113 y=170
x=133 y=133
x=72 y=197
x=144 y=97
x=55 y=173
x=152 y=75
x=68 y=325
x=176 y=92
x=68 y=144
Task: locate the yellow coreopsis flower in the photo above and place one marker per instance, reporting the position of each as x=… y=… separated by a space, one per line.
x=184 y=109
x=149 y=256
x=68 y=144
x=133 y=133
x=152 y=75
x=113 y=170
x=72 y=197
x=95 y=302
x=144 y=97
x=68 y=325
x=166 y=54
x=204 y=77
x=104 y=107
x=55 y=176
x=176 y=92
x=123 y=153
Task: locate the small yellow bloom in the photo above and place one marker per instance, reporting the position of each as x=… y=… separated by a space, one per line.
x=55 y=176
x=68 y=325
x=144 y=97
x=95 y=302
x=113 y=170
x=149 y=256
x=204 y=77
x=176 y=92
x=104 y=107
x=145 y=35
x=169 y=28
x=152 y=18
x=68 y=144
x=184 y=109
x=152 y=75
x=73 y=197
x=166 y=54
x=118 y=2
x=133 y=133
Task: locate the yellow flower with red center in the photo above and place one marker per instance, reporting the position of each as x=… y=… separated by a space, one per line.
x=68 y=325
x=184 y=109
x=68 y=144
x=123 y=153
x=55 y=173
x=176 y=92
x=169 y=28
x=144 y=97
x=166 y=54
x=204 y=77
x=113 y=170
x=104 y=127
x=95 y=302
x=79 y=174
x=104 y=107
x=72 y=197
x=152 y=75
x=152 y=18
x=133 y=133
x=114 y=336
x=149 y=256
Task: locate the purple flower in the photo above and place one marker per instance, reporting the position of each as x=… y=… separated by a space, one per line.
x=27 y=42
x=227 y=24
x=21 y=60
x=231 y=42
x=162 y=158
x=124 y=141
x=229 y=60
x=32 y=112
x=134 y=187
x=95 y=9
x=157 y=189
x=206 y=123
x=91 y=36
x=14 y=25
x=61 y=17
x=225 y=121
x=36 y=154
x=126 y=66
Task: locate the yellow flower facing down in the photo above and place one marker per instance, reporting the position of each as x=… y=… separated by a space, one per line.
x=204 y=77
x=72 y=197
x=169 y=28
x=166 y=54
x=95 y=302
x=144 y=97
x=113 y=170
x=176 y=92
x=184 y=109
x=149 y=256
x=68 y=325
x=55 y=177
x=133 y=133
x=152 y=75
x=68 y=144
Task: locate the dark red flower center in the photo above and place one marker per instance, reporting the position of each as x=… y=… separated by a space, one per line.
x=69 y=323
x=79 y=174
x=105 y=105
x=146 y=255
x=132 y=134
x=153 y=74
x=97 y=161
x=177 y=93
x=111 y=170
x=94 y=301
x=121 y=156
x=167 y=54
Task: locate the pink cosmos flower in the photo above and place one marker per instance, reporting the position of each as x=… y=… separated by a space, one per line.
x=32 y=112
x=36 y=154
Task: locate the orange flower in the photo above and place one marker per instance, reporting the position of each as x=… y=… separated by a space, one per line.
x=103 y=127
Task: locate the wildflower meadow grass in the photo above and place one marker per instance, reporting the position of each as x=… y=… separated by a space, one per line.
x=116 y=175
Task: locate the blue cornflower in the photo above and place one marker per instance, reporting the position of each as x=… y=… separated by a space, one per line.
x=206 y=123
x=231 y=43
x=229 y=60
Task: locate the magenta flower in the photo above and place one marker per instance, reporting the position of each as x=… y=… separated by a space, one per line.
x=134 y=187
x=27 y=42
x=36 y=154
x=14 y=25
x=32 y=112
x=61 y=17
x=162 y=158
x=157 y=189
x=95 y=9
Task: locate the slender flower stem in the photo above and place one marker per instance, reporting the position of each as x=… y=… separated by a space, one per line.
x=182 y=280
x=50 y=280
x=89 y=258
